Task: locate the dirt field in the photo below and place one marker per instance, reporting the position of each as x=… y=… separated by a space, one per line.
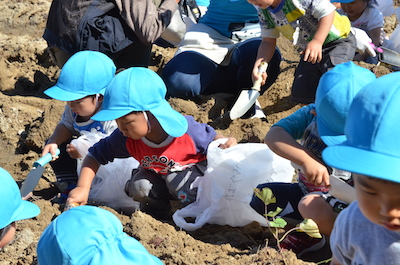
x=28 y=117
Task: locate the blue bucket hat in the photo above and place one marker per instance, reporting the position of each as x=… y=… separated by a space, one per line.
x=336 y=90
x=12 y=207
x=141 y=89
x=373 y=143
x=88 y=235
x=85 y=73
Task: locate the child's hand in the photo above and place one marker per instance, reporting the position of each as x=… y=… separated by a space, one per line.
x=316 y=173
x=50 y=148
x=231 y=142
x=256 y=73
x=313 y=52
x=78 y=195
x=73 y=153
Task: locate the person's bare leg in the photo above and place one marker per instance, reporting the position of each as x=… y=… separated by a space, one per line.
x=313 y=206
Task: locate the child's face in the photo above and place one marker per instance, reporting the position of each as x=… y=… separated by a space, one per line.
x=379 y=201
x=263 y=4
x=133 y=125
x=84 y=107
x=8 y=236
x=354 y=9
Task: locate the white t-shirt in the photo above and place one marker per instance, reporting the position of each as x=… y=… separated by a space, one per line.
x=370 y=19
x=68 y=119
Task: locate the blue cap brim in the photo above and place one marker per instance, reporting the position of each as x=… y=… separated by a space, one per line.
x=173 y=122
x=60 y=94
x=362 y=161
x=25 y=211
x=110 y=114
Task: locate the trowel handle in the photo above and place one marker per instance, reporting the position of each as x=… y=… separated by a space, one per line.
x=45 y=159
x=261 y=69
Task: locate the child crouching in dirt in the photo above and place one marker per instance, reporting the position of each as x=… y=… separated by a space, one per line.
x=12 y=208
x=81 y=84
x=171 y=148
x=321 y=35
x=317 y=126
x=368 y=231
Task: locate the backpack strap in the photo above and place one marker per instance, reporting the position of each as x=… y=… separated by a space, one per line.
x=185 y=6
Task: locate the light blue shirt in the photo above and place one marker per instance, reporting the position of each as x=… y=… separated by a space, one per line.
x=221 y=13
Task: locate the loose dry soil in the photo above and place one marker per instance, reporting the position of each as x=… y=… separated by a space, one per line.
x=28 y=117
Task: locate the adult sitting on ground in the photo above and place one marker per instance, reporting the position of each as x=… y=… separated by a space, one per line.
x=218 y=53
x=122 y=29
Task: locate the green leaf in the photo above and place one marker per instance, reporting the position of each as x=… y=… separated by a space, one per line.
x=274 y=213
x=310 y=227
x=278 y=222
x=265 y=195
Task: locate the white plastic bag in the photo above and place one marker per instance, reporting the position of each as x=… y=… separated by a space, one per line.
x=87 y=140
x=395 y=36
x=177 y=27
x=108 y=186
x=225 y=190
x=386 y=7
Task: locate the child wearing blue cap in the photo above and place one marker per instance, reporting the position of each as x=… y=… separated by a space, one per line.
x=321 y=35
x=368 y=231
x=94 y=236
x=12 y=207
x=81 y=84
x=316 y=126
x=171 y=148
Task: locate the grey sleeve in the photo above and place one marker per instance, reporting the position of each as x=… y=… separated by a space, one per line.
x=146 y=19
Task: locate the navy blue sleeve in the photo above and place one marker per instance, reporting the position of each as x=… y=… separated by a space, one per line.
x=201 y=133
x=113 y=146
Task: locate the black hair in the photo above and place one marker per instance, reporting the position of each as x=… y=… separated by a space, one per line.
x=378 y=179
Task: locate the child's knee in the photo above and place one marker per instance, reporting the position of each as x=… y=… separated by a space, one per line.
x=138 y=189
x=310 y=203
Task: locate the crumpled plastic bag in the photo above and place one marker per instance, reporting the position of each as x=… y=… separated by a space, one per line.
x=386 y=7
x=108 y=186
x=225 y=191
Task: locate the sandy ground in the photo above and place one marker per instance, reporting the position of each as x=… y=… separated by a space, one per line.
x=28 y=117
